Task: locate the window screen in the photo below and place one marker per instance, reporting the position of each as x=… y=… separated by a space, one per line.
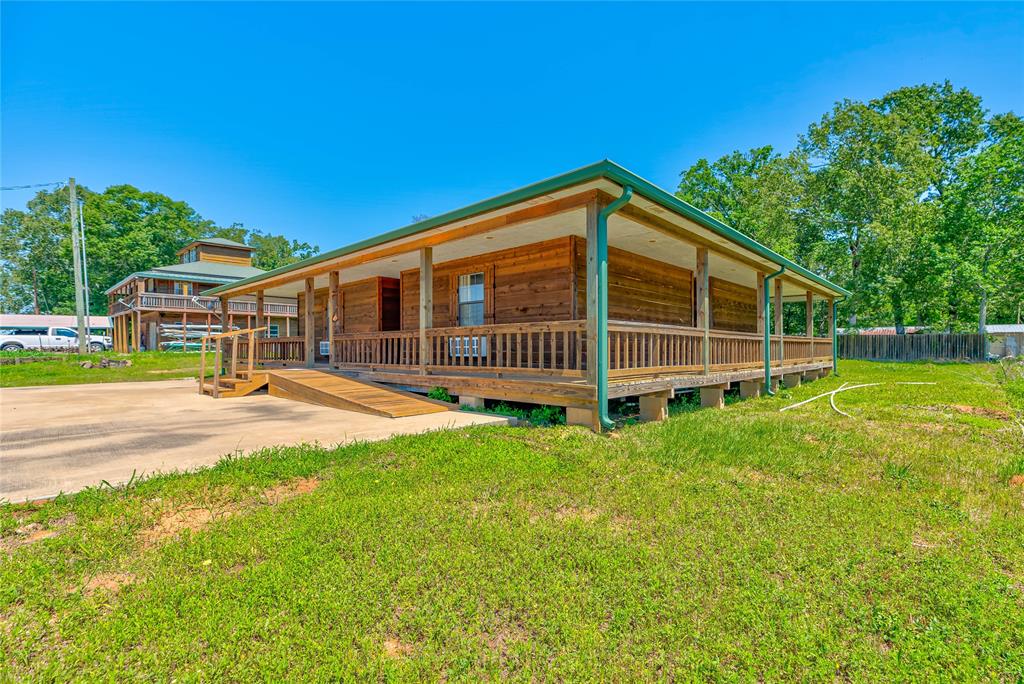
x=471 y=299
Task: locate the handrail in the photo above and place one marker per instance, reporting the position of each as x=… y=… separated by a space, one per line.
x=232 y=333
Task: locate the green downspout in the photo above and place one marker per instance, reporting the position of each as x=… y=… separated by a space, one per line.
x=835 y=338
x=602 y=305
x=768 y=331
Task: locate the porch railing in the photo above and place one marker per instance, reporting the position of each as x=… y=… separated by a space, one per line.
x=177 y=302
x=559 y=348
x=275 y=349
x=555 y=348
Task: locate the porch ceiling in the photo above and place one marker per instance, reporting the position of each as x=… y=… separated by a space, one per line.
x=623 y=233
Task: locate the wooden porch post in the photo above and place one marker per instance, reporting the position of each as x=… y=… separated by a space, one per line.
x=225 y=319
x=778 y=316
x=426 y=305
x=703 y=321
x=760 y=303
x=332 y=312
x=310 y=340
x=137 y=318
x=260 y=318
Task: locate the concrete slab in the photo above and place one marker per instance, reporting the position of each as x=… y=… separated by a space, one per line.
x=65 y=438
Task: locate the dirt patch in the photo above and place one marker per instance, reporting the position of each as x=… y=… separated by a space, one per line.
x=1017 y=481
x=172 y=523
x=502 y=638
x=33 y=532
x=290 y=489
x=572 y=512
x=979 y=411
x=109 y=582
x=393 y=648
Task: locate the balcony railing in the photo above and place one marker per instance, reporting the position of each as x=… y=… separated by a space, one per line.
x=150 y=301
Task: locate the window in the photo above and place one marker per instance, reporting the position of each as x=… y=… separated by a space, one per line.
x=180 y=288
x=471 y=299
x=65 y=332
x=273 y=330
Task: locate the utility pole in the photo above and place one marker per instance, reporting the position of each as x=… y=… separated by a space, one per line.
x=85 y=264
x=79 y=288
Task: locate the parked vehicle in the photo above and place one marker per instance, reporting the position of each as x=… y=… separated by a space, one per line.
x=32 y=337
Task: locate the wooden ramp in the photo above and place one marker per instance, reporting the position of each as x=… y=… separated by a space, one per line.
x=325 y=388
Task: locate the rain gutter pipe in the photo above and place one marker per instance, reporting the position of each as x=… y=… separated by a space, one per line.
x=768 y=332
x=835 y=339
x=602 y=305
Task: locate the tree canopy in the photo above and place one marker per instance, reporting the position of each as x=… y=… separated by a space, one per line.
x=127 y=230
x=912 y=201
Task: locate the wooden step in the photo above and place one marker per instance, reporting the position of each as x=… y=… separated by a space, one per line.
x=326 y=388
x=235 y=387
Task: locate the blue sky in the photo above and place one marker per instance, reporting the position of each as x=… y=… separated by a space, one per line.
x=332 y=122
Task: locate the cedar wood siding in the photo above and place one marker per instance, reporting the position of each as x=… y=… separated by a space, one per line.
x=368 y=305
x=639 y=289
x=733 y=307
x=544 y=281
x=521 y=284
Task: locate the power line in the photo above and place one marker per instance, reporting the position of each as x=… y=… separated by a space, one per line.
x=34 y=185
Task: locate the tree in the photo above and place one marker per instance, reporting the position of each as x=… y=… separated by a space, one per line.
x=271 y=251
x=984 y=230
x=127 y=230
x=756 y=192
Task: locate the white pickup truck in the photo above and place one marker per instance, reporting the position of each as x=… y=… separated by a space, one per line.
x=36 y=337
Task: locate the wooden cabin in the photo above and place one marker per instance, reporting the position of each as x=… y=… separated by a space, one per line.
x=505 y=300
x=167 y=308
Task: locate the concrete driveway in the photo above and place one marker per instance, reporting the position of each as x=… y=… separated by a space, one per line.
x=64 y=438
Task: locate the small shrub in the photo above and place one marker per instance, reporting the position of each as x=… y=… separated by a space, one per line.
x=439 y=394
x=898 y=473
x=544 y=416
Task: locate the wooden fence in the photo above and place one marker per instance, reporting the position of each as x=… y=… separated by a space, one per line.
x=934 y=347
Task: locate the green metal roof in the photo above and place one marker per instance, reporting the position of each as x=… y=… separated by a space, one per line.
x=602 y=169
x=223 y=242
x=209 y=272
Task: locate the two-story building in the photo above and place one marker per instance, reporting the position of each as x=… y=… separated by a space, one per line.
x=164 y=307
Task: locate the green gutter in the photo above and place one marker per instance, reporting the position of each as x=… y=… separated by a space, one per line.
x=602 y=305
x=768 y=332
x=602 y=169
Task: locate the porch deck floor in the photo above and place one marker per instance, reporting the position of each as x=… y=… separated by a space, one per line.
x=569 y=391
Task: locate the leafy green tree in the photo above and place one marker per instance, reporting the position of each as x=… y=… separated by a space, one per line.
x=127 y=230
x=756 y=192
x=271 y=251
x=984 y=230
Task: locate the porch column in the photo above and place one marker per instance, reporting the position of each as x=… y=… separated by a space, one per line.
x=261 y=320
x=426 y=305
x=225 y=324
x=137 y=318
x=703 y=298
x=778 y=317
x=309 y=338
x=332 y=312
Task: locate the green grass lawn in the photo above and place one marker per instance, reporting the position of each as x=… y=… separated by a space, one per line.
x=736 y=544
x=66 y=369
